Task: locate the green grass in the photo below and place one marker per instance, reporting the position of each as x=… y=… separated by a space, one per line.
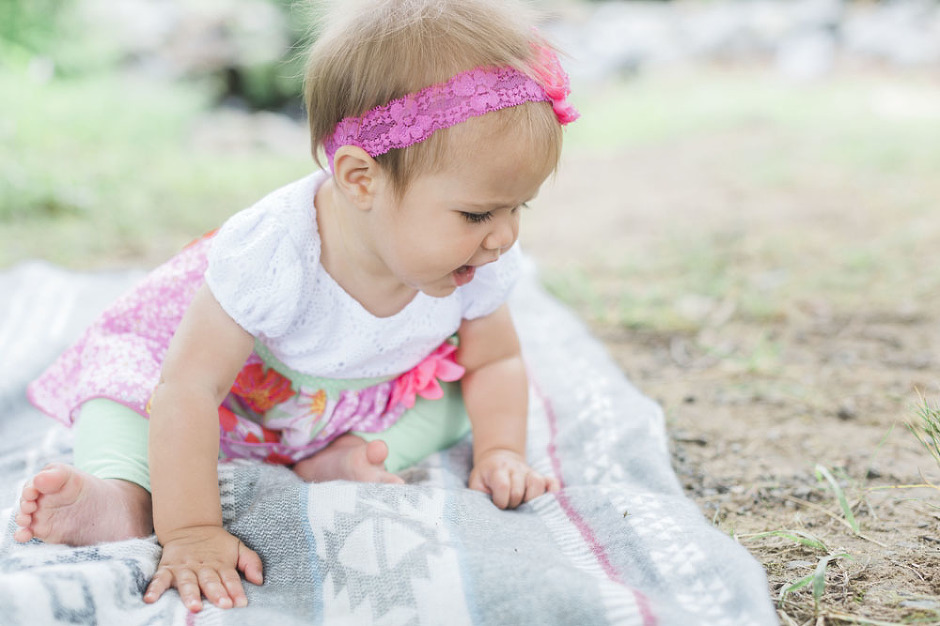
x=823 y=473
x=926 y=428
x=102 y=169
x=817 y=580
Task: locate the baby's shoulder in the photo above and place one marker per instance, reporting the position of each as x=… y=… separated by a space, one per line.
x=285 y=220
x=264 y=261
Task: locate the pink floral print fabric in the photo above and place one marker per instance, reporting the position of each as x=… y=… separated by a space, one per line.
x=266 y=415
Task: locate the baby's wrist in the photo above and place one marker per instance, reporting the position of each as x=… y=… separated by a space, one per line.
x=178 y=531
x=497 y=450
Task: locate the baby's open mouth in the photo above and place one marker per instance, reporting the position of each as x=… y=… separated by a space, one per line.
x=464 y=275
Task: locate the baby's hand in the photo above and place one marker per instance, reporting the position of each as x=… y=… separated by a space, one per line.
x=507 y=477
x=205 y=561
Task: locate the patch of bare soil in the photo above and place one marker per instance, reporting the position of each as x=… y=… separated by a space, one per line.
x=746 y=444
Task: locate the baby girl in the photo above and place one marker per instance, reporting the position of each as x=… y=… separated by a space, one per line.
x=348 y=324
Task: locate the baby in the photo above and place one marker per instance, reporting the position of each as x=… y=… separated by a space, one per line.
x=347 y=325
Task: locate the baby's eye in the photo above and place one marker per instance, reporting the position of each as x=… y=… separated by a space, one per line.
x=524 y=205
x=477 y=218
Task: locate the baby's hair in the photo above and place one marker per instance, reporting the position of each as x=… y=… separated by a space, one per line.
x=369 y=52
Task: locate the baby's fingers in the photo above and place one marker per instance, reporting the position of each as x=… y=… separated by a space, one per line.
x=160 y=582
x=535 y=486
x=211 y=585
x=500 y=485
x=188 y=587
x=517 y=488
x=552 y=484
x=476 y=483
x=233 y=585
x=249 y=563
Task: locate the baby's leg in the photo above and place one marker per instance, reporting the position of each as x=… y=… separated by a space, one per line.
x=348 y=458
x=105 y=496
x=430 y=426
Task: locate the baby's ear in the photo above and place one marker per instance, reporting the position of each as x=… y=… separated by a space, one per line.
x=356 y=175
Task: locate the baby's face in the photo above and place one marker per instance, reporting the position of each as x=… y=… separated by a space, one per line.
x=450 y=222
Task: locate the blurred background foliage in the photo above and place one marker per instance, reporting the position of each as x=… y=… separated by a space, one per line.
x=56 y=38
x=98 y=160
x=28 y=27
x=126 y=132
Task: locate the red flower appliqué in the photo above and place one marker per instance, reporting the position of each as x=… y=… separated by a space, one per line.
x=275 y=458
x=260 y=389
x=423 y=379
x=229 y=422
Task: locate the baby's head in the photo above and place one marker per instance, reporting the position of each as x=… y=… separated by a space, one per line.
x=370 y=53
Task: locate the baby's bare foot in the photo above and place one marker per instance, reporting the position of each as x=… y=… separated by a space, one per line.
x=348 y=458
x=65 y=505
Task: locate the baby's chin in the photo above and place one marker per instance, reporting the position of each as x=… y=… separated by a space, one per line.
x=450 y=283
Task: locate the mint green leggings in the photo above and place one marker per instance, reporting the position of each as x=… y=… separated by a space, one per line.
x=111 y=439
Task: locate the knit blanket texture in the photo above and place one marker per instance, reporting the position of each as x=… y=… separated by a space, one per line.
x=619 y=544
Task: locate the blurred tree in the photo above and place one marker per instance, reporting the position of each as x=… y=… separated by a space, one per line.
x=29 y=27
x=277 y=84
x=49 y=37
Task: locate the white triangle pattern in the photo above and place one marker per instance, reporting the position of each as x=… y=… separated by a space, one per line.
x=358 y=551
x=400 y=540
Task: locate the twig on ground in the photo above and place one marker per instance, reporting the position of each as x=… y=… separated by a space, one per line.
x=886 y=487
x=785 y=619
x=916 y=573
x=856 y=619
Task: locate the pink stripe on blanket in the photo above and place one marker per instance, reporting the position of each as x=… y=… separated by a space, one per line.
x=579 y=522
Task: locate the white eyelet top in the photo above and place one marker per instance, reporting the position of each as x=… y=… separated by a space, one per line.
x=264 y=269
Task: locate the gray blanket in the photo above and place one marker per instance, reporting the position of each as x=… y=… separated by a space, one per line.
x=620 y=544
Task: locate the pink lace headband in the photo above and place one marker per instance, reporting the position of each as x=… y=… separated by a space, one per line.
x=413 y=118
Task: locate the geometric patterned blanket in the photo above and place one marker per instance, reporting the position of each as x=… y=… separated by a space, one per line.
x=619 y=544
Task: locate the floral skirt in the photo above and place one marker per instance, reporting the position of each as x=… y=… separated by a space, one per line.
x=271 y=413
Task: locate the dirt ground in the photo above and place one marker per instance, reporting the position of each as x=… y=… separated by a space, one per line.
x=803 y=358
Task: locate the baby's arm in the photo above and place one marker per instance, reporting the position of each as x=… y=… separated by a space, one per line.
x=495 y=390
x=199 y=556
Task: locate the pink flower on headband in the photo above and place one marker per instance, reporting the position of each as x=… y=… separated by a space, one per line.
x=552 y=78
x=565 y=112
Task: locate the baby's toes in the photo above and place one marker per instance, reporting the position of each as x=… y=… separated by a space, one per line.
x=22 y=534
x=391 y=479
x=23 y=519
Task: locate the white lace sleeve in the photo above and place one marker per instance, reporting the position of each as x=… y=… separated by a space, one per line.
x=491 y=285
x=257 y=271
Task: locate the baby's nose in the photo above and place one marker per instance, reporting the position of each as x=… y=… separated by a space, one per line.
x=502 y=236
